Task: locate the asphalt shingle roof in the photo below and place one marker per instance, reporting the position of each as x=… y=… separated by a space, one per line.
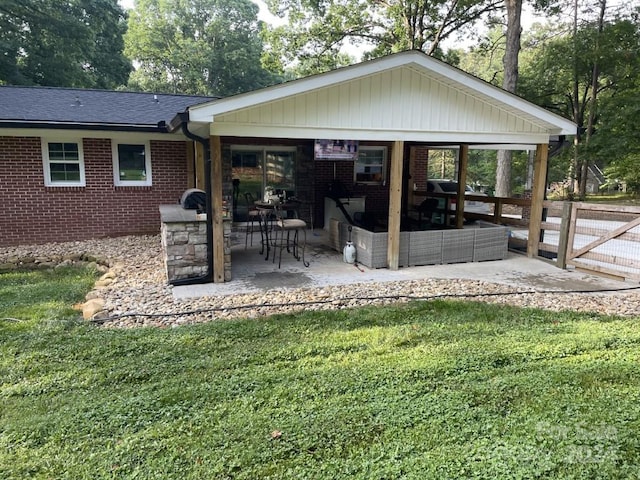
x=84 y=106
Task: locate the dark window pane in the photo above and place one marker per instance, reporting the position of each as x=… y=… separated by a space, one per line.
x=244 y=159
x=64 y=151
x=280 y=170
x=131 y=163
x=65 y=172
x=369 y=166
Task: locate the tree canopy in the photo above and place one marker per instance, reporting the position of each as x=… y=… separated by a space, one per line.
x=208 y=47
x=76 y=43
x=560 y=77
x=316 y=32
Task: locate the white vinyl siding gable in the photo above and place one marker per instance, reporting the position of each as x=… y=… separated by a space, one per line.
x=401 y=99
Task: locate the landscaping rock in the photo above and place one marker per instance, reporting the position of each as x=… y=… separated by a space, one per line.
x=92 y=307
x=142 y=297
x=92 y=294
x=108 y=275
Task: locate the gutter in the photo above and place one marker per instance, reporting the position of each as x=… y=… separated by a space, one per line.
x=109 y=127
x=181 y=121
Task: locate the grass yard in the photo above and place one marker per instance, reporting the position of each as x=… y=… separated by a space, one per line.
x=430 y=390
x=616 y=198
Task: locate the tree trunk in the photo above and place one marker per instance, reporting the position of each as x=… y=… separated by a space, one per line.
x=575 y=170
x=510 y=62
x=595 y=82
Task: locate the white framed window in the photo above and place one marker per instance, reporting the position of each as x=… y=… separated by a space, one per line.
x=370 y=166
x=63 y=163
x=131 y=163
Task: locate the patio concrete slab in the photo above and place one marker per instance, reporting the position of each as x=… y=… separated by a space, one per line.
x=251 y=273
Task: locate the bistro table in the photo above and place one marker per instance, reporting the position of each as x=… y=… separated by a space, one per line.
x=266 y=212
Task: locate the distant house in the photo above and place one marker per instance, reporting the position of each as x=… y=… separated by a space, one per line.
x=596 y=183
x=78 y=164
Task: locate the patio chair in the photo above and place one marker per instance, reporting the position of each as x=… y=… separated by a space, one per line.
x=252 y=216
x=282 y=225
x=427 y=208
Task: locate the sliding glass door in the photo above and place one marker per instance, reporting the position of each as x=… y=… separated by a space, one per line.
x=254 y=168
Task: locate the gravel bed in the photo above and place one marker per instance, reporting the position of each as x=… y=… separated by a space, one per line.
x=137 y=293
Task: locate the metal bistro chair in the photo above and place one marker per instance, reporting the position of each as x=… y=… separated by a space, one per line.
x=427 y=208
x=252 y=216
x=286 y=225
x=265 y=224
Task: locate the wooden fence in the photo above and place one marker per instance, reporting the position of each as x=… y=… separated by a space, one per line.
x=599 y=239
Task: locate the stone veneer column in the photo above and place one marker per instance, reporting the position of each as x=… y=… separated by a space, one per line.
x=184 y=244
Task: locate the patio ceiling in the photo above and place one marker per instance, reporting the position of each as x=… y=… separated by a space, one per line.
x=407 y=96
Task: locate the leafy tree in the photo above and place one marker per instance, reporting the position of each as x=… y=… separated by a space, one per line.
x=76 y=43
x=566 y=64
x=616 y=143
x=484 y=60
x=208 y=47
x=317 y=30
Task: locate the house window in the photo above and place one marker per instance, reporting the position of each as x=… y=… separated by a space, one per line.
x=370 y=165
x=63 y=164
x=131 y=164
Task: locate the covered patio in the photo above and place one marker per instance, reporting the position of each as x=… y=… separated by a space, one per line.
x=394 y=108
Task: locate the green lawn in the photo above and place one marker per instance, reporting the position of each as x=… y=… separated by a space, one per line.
x=613 y=198
x=429 y=390
x=627 y=199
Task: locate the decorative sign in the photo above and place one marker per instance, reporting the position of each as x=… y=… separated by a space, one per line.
x=336 y=149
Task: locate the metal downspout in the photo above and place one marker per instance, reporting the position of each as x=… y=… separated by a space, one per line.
x=208 y=277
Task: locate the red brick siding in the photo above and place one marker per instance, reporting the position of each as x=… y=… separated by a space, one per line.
x=419 y=174
x=33 y=213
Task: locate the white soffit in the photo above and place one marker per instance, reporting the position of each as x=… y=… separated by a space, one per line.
x=480 y=111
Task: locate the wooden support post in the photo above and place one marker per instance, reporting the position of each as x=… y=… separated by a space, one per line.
x=463 y=162
x=537 y=197
x=216 y=202
x=497 y=210
x=563 y=242
x=395 y=205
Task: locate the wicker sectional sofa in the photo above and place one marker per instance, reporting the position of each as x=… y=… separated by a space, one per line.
x=426 y=247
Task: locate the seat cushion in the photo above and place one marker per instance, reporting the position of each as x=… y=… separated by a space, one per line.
x=291 y=223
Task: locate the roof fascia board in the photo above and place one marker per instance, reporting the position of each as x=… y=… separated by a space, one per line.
x=250 y=130
x=487 y=146
x=515 y=146
x=75 y=133
x=83 y=126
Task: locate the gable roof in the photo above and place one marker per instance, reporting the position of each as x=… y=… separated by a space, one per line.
x=85 y=108
x=404 y=96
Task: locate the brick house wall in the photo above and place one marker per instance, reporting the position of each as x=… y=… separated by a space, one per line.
x=31 y=212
